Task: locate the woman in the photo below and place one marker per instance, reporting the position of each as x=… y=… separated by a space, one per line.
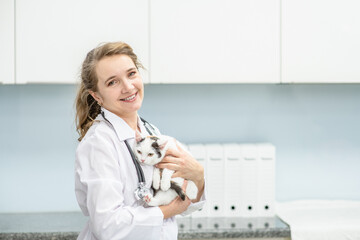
x=109 y=97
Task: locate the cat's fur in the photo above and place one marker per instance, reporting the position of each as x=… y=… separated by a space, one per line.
x=151 y=150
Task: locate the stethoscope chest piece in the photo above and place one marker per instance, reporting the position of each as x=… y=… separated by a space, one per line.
x=141 y=191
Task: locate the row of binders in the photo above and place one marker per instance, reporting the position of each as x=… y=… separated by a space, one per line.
x=240 y=179
x=225 y=223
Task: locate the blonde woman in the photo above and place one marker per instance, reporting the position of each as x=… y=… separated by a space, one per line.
x=107 y=104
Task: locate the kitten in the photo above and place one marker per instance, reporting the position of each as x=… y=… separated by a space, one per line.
x=151 y=150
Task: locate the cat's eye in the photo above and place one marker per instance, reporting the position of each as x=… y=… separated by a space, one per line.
x=139 y=152
x=150 y=154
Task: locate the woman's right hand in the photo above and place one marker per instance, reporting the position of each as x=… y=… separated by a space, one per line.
x=177 y=206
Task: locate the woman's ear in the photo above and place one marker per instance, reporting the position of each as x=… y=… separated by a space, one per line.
x=96 y=96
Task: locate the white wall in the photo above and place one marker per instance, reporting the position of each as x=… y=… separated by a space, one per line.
x=314 y=127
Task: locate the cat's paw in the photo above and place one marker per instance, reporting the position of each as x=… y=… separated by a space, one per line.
x=165 y=185
x=147 y=198
x=150 y=200
x=156 y=185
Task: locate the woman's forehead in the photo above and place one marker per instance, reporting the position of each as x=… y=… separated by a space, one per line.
x=114 y=65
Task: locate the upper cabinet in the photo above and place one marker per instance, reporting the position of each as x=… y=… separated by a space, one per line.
x=320 y=41
x=212 y=41
x=53 y=37
x=7 y=50
x=185 y=41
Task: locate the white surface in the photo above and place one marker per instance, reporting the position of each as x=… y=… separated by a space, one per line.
x=212 y=41
x=53 y=37
x=321 y=219
x=320 y=41
x=7 y=49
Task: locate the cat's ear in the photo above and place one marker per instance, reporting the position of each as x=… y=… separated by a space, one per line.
x=138 y=137
x=162 y=144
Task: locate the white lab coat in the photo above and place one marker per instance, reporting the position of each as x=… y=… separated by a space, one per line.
x=105 y=180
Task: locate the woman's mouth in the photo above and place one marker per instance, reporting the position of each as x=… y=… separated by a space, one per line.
x=130 y=98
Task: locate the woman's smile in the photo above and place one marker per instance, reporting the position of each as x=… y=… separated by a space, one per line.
x=131 y=98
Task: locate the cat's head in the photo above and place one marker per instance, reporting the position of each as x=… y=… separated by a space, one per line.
x=150 y=150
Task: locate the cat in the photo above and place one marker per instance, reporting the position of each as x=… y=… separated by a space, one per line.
x=151 y=150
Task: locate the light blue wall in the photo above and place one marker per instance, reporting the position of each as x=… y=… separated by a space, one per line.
x=316 y=129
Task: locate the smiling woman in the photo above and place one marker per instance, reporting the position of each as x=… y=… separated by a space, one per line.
x=107 y=104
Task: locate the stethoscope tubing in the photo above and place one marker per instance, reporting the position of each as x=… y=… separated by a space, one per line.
x=139 y=171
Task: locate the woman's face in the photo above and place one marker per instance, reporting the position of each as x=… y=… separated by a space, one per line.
x=120 y=87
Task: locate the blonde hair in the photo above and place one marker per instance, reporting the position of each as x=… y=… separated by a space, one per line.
x=86 y=107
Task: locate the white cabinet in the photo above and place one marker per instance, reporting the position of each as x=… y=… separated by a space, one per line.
x=53 y=37
x=7 y=49
x=212 y=41
x=320 y=41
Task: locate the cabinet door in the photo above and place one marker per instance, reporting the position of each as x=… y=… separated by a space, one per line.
x=7 y=49
x=215 y=41
x=53 y=37
x=320 y=41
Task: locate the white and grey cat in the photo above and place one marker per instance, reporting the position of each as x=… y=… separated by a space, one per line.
x=151 y=150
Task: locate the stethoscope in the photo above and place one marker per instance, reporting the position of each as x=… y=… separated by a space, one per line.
x=141 y=190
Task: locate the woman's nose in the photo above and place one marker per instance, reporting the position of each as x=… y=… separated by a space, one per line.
x=127 y=86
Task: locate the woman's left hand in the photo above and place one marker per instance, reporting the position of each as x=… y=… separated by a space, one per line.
x=183 y=164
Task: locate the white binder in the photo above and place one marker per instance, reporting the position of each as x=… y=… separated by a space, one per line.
x=233 y=173
x=199 y=153
x=199 y=223
x=215 y=180
x=184 y=223
x=234 y=223
x=266 y=222
x=216 y=223
x=266 y=180
x=250 y=223
x=249 y=180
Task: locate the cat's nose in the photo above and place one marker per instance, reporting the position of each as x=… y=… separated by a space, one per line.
x=142 y=160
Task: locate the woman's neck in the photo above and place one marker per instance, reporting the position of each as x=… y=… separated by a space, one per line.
x=132 y=121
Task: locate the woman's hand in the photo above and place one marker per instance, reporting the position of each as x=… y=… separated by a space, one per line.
x=177 y=206
x=185 y=166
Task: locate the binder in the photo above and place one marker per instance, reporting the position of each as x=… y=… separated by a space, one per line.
x=215 y=180
x=266 y=222
x=216 y=223
x=199 y=223
x=199 y=153
x=249 y=180
x=250 y=223
x=184 y=223
x=233 y=173
x=266 y=180
x=234 y=222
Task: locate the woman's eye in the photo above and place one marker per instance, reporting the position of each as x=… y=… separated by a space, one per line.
x=139 y=152
x=150 y=154
x=132 y=73
x=112 y=82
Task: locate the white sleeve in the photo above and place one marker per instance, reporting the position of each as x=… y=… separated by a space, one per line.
x=100 y=193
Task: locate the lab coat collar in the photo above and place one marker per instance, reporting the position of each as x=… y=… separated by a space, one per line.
x=122 y=129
